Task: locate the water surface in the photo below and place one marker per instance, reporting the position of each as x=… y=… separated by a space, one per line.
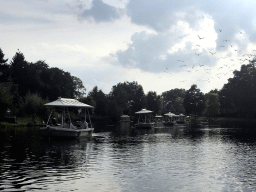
x=176 y=158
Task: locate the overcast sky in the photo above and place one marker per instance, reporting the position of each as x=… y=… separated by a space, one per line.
x=161 y=44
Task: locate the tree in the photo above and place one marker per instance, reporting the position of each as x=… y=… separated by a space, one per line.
x=136 y=96
x=153 y=102
x=100 y=101
x=4 y=68
x=79 y=87
x=194 y=101
x=7 y=97
x=19 y=73
x=125 y=98
x=173 y=101
x=34 y=106
x=238 y=95
x=212 y=104
x=2 y=60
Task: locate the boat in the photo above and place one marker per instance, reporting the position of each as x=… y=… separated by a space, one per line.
x=144 y=119
x=125 y=118
x=159 y=120
x=169 y=120
x=67 y=130
x=181 y=119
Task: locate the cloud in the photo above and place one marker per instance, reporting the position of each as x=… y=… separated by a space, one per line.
x=100 y=12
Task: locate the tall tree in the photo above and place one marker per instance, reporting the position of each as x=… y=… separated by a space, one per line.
x=100 y=101
x=194 y=101
x=79 y=87
x=238 y=95
x=212 y=104
x=20 y=73
x=4 y=68
x=173 y=101
x=153 y=102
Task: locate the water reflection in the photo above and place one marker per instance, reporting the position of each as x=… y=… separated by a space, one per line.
x=175 y=158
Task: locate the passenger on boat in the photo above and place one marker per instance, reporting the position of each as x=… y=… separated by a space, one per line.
x=72 y=126
x=84 y=125
x=54 y=122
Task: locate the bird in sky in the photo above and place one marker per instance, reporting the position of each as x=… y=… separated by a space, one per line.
x=200 y=37
x=212 y=52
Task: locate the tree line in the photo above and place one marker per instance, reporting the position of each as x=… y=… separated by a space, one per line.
x=26 y=86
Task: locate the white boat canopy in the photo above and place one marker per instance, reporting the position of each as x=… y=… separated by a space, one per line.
x=143 y=111
x=169 y=114
x=65 y=102
x=125 y=116
x=158 y=116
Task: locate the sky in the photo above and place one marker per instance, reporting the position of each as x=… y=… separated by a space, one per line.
x=161 y=44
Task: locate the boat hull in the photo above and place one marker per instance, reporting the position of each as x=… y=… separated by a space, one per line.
x=144 y=125
x=64 y=133
x=169 y=123
x=86 y=132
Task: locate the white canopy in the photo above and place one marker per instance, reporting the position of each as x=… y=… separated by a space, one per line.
x=125 y=116
x=65 y=102
x=169 y=114
x=158 y=116
x=144 y=111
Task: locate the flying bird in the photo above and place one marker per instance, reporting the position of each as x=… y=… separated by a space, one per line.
x=198 y=54
x=200 y=37
x=212 y=52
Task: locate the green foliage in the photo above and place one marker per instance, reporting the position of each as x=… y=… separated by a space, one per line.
x=34 y=106
x=99 y=101
x=8 y=98
x=153 y=102
x=238 y=95
x=173 y=101
x=127 y=97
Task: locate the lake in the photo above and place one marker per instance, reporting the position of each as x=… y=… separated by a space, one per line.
x=176 y=158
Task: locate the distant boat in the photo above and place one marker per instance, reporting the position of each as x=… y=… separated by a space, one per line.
x=181 y=119
x=169 y=119
x=66 y=130
x=145 y=119
x=125 y=118
x=159 y=120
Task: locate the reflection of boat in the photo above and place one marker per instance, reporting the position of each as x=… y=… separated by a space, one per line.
x=169 y=120
x=66 y=129
x=144 y=120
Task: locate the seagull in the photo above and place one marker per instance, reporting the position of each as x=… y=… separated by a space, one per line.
x=198 y=54
x=200 y=37
x=212 y=52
